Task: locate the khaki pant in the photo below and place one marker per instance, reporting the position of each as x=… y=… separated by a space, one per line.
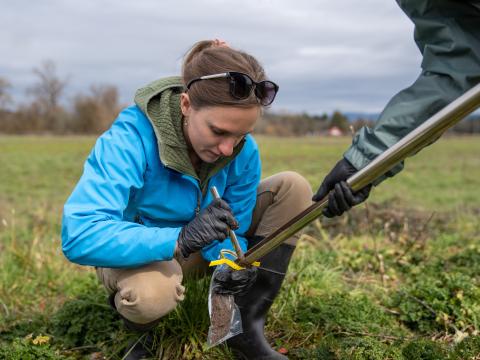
x=146 y=293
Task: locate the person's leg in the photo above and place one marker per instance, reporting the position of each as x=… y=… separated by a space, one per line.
x=145 y=294
x=195 y=266
x=279 y=198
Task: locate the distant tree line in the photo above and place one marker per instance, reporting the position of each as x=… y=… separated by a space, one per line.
x=93 y=112
x=287 y=124
x=89 y=113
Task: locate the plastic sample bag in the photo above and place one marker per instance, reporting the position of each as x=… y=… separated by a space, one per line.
x=225 y=317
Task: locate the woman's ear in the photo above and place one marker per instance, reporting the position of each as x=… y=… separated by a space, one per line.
x=185 y=104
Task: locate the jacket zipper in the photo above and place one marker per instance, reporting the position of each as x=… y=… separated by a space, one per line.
x=199 y=191
x=199 y=201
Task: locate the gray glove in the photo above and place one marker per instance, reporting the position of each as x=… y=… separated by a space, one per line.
x=342 y=198
x=212 y=223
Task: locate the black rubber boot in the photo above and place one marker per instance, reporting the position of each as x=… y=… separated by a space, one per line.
x=140 y=346
x=254 y=306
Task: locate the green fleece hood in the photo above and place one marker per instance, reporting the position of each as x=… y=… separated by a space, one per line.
x=160 y=102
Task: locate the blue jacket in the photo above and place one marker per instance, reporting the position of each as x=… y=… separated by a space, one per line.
x=128 y=207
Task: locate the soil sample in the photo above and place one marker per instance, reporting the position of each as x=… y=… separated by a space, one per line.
x=221 y=317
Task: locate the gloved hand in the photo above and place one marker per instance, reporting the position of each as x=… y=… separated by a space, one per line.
x=212 y=223
x=342 y=198
x=227 y=281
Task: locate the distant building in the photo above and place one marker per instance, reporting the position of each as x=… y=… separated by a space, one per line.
x=335 y=131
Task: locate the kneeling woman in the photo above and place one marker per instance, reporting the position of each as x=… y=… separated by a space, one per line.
x=142 y=213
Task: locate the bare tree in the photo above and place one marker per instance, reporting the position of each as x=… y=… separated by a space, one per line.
x=95 y=112
x=47 y=93
x=5 y=97
x=50 y=87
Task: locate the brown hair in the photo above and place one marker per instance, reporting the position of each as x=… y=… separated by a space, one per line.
x=209 y=57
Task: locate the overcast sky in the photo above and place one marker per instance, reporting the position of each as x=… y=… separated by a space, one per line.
x=325 y=55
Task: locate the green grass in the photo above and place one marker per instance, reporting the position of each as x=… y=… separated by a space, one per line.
x=398 y=278
x=442 y=176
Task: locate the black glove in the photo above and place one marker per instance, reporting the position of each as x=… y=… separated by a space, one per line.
x=227 y=281
x=212 y=223
x=342 y=198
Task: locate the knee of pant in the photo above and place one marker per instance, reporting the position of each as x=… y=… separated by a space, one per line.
x=143 y=303
x=296 y=185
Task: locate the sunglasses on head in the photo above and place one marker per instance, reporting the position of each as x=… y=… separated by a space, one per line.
x=241 y=86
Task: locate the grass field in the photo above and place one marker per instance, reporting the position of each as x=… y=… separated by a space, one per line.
x=397 y=278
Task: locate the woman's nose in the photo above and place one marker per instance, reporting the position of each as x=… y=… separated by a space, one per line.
x=226 y=146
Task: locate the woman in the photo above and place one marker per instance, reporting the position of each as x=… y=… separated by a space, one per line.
x=142 y=213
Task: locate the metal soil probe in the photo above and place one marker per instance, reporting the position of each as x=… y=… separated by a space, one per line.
x=233 y=237
x=418 y=138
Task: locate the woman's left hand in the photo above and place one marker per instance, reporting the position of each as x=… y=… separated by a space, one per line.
x=227 y=281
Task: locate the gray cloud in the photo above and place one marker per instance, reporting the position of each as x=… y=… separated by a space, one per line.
x=325 y=55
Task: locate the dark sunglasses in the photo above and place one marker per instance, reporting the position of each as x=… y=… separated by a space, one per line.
x=241 y=86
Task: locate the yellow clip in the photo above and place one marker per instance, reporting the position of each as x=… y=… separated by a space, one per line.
x=229 y=262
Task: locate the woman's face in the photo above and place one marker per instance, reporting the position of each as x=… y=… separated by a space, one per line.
x=214 y=131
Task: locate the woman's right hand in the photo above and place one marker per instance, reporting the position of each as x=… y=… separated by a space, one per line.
x=212 y=223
